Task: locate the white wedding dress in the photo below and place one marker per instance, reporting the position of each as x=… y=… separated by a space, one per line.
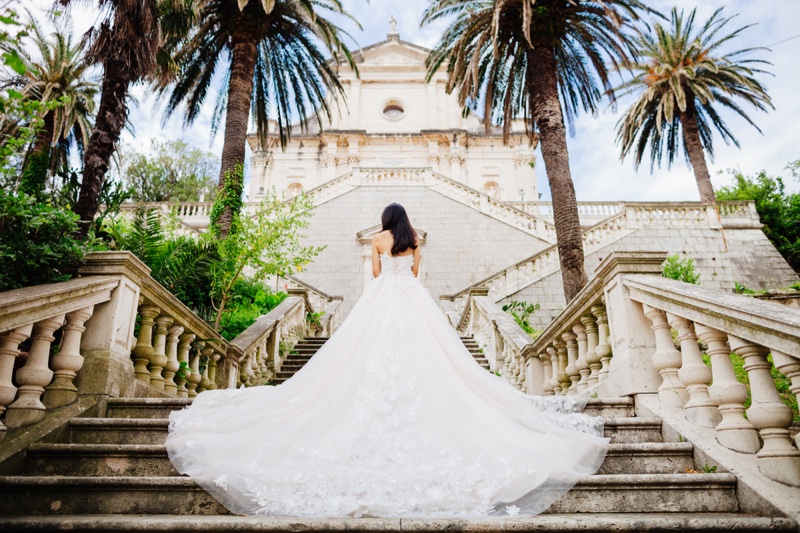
x=391 y=418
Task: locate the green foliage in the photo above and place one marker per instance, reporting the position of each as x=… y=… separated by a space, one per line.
x=521 y=311
x=268 y=243
x=170 y=171
x=36 y=243
x=313 y=319
x=249 y=300
x=779 y=211
x=680 y=269
x=709 y=469
x=229 y=196
x=741 y=289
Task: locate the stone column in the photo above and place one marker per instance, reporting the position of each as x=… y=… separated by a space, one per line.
x=570 y=339
x=143 y=351
x=790 y=367
x=159 y=357
x=68 y=361
x=581 y=364
x=9 y=350
x=734 y=431
x=561 y=375
x=603 y=348
x=184 y=346
x=695 y=375
x=32 y=378
x=666 y=360
x=547 y=366
x=778 y=459
x=592 y=358
x=173 y=365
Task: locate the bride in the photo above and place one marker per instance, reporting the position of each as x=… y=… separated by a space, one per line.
x=391 y=418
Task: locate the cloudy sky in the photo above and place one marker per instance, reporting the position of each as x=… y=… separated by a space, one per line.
x=596 y=168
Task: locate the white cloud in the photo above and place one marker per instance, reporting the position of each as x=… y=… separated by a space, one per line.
x=597 y=171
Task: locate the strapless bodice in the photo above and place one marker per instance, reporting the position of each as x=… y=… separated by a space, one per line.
x=398 y=265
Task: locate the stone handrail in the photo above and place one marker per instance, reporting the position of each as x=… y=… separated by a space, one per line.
x=614 y=338
x=330 y=306
x=36 y=313
x=174 y=353
x=503 y=341
x=545 y=262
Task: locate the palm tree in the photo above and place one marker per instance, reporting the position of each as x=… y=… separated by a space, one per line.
x=126 y=43
x=58 y=75
x=271 y=61
x=682 y=76
x=537 y=60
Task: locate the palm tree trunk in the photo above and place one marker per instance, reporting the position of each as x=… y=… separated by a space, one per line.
x=240 y=92
x=697 y=156
x=37 y=163
x=553 y=138
x=111 y=117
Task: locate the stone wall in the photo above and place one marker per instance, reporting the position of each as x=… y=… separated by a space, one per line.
x=462 y=247
x=750 y=259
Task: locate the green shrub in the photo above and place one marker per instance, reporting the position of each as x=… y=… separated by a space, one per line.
x=680 y=269
x=521 y=311
x=36 y=243
x=250 y=300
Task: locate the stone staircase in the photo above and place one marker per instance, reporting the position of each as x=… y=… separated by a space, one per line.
x=306 y=348
x=112 y=473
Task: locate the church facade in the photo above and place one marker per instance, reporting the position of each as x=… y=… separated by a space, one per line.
x=394 y=117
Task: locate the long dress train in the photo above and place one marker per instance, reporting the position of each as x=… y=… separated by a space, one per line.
x=391 y=418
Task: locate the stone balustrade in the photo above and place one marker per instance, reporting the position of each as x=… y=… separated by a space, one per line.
x=115 y=332
x=615 y=338
x=330 y=306
x=503 y=341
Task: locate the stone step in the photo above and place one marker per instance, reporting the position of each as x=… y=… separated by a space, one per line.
x=547 y=523
x=111 y=459
x=43 y=495
x=145 y=407
x=610 y=407
x=117 y=430
x=633 y=430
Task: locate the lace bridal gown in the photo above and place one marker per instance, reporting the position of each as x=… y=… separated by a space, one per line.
x=391 y=418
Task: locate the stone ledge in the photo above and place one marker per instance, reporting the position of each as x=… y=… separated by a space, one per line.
x=618 y=523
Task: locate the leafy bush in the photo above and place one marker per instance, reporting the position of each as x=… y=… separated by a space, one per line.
x=521 y=311
x=250 y=300
x=36 y=243
x=680 y=269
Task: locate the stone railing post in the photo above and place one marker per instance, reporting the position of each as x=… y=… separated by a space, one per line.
x=107 y=342
x=603 y=348
x=632 y=343
x=67 y=362
x=34 y=376
x=734 y=431
x=583 y=367
x=790 y=367
x=194 y=365
x=666 y=360
x=592 y=357
x=547 y=365
x=571 y=342
x=778 y=459
x=561 y=376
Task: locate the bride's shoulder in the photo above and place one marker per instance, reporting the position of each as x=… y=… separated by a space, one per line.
x=382 y=236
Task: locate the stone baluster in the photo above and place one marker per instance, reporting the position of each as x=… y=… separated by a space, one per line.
x=194 y=366
x=184 y=346
x=159 y=358
x=666 y=360
x=592 y=357
x=554 y=383
x=547 y=381
x=172 y=365
x=563 y=378
x=32 y=378
x=695 y=375
x=581 y=364
x=734 y=431
x=257 y=377
x=603 y=348
x=143 y=351
x=778 y=459
x=9 y=350
x=244 y=365
x=67 y=362
x=205 y=381
x=790 y=367
x=570 y=340
x=212 y=370
x=262 y=359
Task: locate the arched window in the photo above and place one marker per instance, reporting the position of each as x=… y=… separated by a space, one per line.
x=393 y=109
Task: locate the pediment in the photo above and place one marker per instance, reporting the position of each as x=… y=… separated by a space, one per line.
x=394 y=52
x=365 y=236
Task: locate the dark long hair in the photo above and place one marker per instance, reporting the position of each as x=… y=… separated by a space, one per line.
x=395 y=219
